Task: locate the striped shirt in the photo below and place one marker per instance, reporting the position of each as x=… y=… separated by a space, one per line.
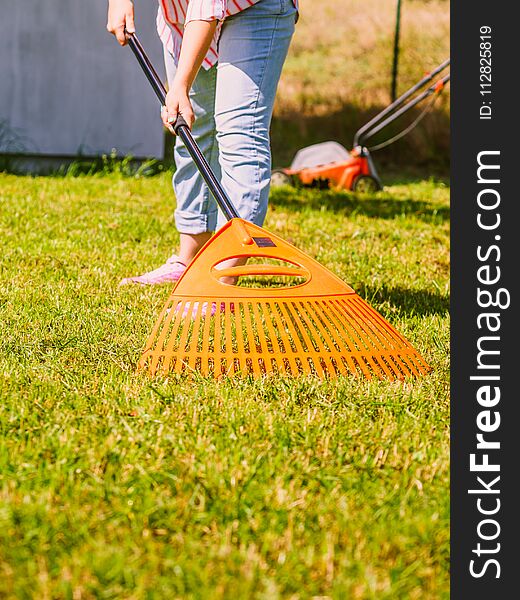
x=173 y=15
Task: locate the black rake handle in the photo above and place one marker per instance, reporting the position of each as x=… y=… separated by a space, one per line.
x=183 y=131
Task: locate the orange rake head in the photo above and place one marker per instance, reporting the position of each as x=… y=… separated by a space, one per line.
x=306 y=321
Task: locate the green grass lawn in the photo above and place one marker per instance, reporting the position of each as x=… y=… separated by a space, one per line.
x=113 y=485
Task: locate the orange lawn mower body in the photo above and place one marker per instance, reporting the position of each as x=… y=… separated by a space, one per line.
x=337 y=169
x=331 y=165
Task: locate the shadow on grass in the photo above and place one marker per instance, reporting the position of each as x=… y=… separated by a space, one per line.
x=408 y=302
x=351 y=205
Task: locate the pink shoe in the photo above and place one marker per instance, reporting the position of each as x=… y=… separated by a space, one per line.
x=170 y=271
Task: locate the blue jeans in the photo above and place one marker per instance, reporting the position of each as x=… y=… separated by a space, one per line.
x=233 y=105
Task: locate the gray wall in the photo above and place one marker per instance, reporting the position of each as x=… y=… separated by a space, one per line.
x=67 y=87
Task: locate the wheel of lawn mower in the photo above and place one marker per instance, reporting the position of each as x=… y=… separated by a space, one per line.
x=279 y=178
x=366 y=184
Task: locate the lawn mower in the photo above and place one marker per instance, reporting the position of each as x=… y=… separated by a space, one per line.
x=331 y=165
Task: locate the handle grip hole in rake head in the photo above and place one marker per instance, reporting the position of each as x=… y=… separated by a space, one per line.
x=261 y=272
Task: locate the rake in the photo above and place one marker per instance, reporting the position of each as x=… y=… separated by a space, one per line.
x=304 y=321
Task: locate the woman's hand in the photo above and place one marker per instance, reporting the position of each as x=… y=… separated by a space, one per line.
x=177 y=102
x=120 y=17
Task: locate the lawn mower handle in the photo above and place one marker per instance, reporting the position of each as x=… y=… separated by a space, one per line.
x=435 y=88
x=183 y=131
x=369 y=129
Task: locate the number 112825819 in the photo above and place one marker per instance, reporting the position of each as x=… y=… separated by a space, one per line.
x=485 y=71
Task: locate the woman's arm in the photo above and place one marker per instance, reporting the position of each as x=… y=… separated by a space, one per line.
x=195 y=44
x=120 y=17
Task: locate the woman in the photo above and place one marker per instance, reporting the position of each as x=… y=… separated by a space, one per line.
x=241 y=46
